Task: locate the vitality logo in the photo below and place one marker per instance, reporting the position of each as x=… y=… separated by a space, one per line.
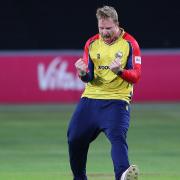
x=56 y=76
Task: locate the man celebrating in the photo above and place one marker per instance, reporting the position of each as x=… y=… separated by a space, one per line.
x=111 y=64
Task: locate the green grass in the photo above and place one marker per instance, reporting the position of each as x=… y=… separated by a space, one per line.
x=33 y=143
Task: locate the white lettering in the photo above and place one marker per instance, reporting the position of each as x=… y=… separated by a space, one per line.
x=57 y=77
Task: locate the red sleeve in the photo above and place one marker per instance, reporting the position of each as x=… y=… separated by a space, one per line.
x=133 y=74
x=86 y=48
x=90 y=70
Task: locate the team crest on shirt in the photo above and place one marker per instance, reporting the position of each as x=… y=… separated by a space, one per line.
x=98 y=56
x=119 y=54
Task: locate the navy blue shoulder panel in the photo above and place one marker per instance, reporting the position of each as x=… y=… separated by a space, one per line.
x=90 y=75
x=129 y=64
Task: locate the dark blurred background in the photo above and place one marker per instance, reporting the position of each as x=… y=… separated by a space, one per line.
x=57 y=24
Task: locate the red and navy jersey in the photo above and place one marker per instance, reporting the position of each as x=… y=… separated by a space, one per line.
x=101 y=82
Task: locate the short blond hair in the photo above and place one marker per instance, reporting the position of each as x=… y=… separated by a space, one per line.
x=106 y=12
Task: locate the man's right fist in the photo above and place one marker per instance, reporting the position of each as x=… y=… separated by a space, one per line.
x=81 y=67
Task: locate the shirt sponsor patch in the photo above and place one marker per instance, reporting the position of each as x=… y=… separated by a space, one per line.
x=138 y=59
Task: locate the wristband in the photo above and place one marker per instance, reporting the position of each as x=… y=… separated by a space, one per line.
x=119 y=73
x=82 y=73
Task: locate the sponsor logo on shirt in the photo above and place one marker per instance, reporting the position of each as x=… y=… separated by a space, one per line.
x=103 y=67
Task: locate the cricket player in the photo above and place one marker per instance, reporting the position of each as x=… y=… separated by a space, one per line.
x=111 y=64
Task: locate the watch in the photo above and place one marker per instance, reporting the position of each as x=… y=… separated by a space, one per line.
x=82 y=73
x=119 y=73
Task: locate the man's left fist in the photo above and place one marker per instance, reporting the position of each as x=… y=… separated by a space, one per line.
x=115 y=66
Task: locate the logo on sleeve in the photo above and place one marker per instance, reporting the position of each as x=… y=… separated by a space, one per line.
x=138 y=59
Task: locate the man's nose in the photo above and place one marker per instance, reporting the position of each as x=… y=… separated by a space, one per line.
x=105 y=31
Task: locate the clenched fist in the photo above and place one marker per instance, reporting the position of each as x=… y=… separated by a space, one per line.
x=115 y=66
x=81 y=67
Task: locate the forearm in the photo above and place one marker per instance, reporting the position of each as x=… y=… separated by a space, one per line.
x=89 y=74
x=86 y=77
x=131 y=75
